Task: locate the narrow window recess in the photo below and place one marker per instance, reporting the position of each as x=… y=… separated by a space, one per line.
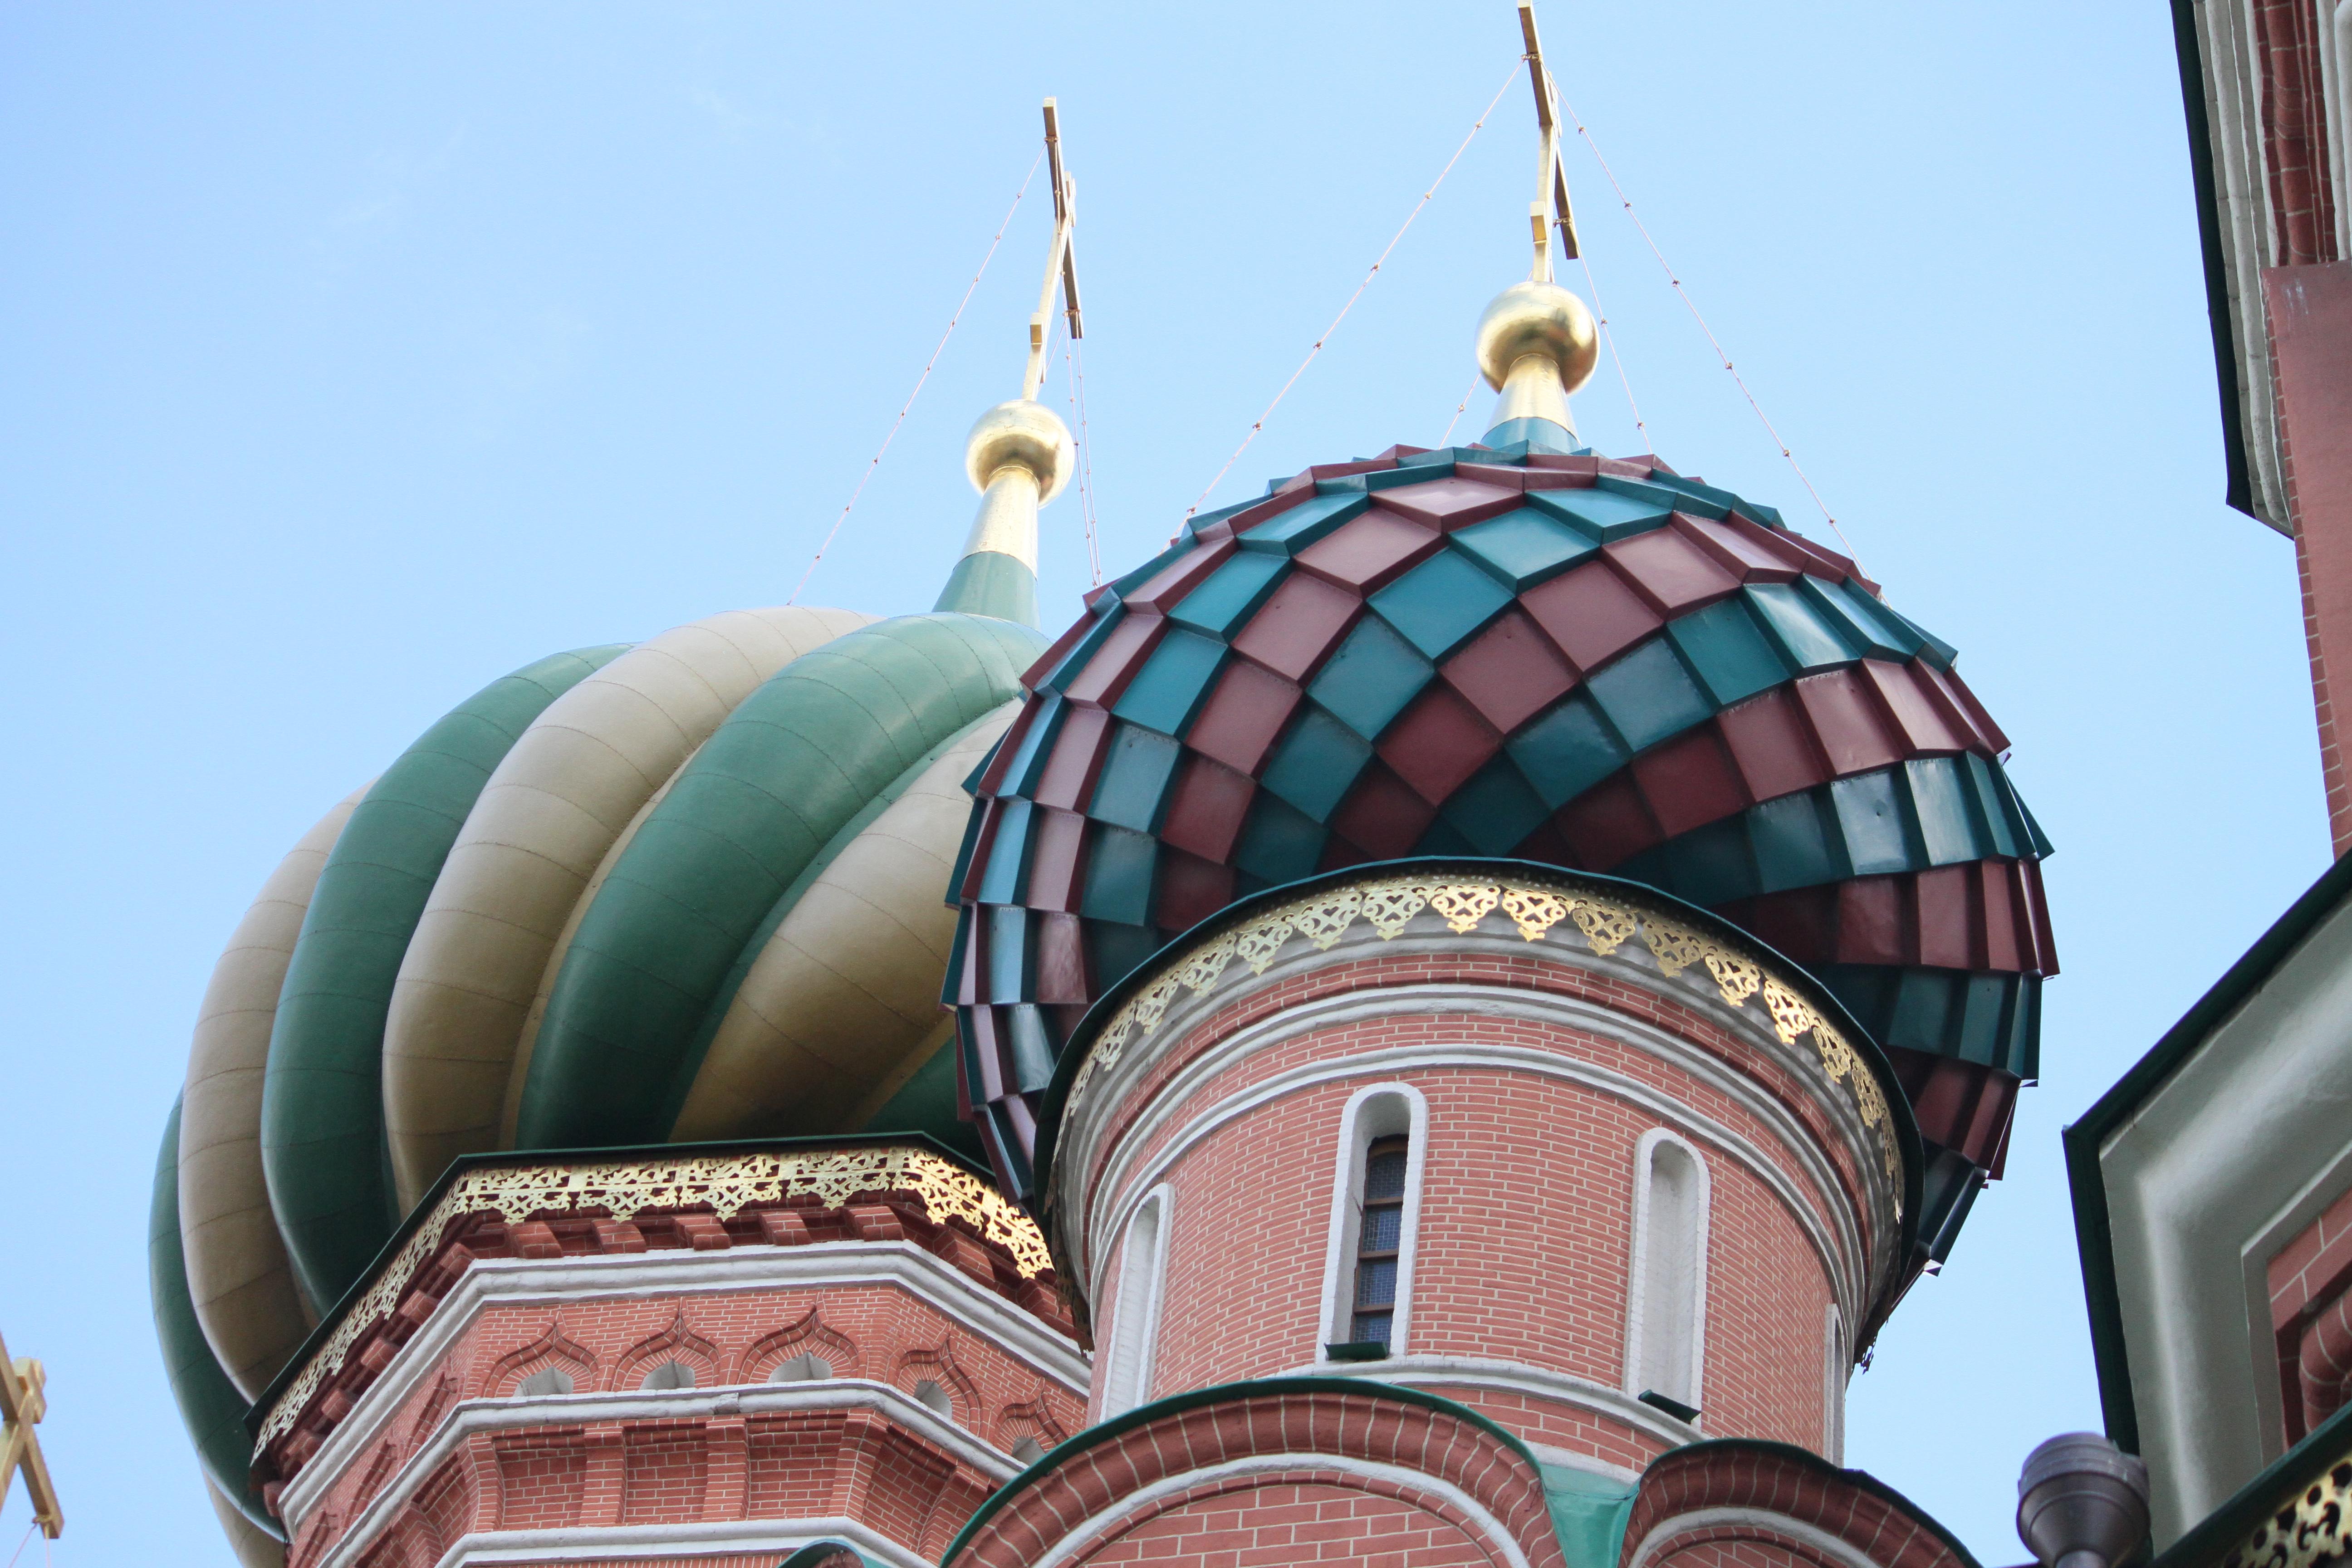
x=669 y=1375
x=1134 y=1315
x=540 y=1385
x=1375 y=1219
x=1380 y=1242
x=805 y=1367
x=1666 y=1317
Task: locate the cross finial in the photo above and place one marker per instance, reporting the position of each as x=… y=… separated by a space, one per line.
x=1061 y=262
x=1551 y=206
x=22 y=1405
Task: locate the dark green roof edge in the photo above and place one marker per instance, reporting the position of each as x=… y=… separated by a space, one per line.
x=1222 y=1393
x=1862 y=1480
x=2240 y=493
x=2213 y=1537
x=1906 y=1126
x=2082 y=1138
x=464 y=1163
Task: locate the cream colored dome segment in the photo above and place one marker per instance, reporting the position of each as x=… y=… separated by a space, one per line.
x=545 y=821
x=238 y=1279
x=846 y=990
x=253 y=1549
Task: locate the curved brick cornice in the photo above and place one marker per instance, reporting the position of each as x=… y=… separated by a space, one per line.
x=1724 y=1493
x=1393 y=1443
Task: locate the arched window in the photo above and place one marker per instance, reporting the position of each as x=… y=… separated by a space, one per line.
x=1666 y=1308
x=1028 y=1451
x=551 y=1380
x=1836 y=1364
x=934 y=1398
x=806 y=1367
x=1375 y=1224
x=1136 y=1313
x=669 y=1375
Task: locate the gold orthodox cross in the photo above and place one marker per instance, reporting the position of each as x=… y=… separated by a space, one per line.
x=1061 y=262
x=22 y=1405
x=1551 y=206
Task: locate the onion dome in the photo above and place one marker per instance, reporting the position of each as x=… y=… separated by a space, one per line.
x=683 y=890
x=1514 y=649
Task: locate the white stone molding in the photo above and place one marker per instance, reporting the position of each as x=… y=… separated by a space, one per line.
x=1134 y=1339
x=1089 y=1532
x=1834 y=1548
x=713 y=1539
x=557 y=1282
x=473 y=1416
x=1516 y=1377
x=1827 y=1218
x=1837 y=1367
x=1377 y=1110
x=1644 y=1259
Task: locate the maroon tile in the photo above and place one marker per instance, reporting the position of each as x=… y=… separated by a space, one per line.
x=1608 y=824
x=988 y=1052
x=1510 y=672
x=992 y=781
x=1343 y=470
x=1056 y=654
x=992 y=813
x=1339 y=855
x=1243 y=716
x=1689 y=782
x=1216 y=532
x=1438 y=743
x=1303 y=620
x=1075 y=762
x=1497 y=474
x=1591 y=614
x=1450 y=503
x=1741 y=548
x=1997 y=899
x=1919 y=716
x=1382 y=816
x=1547 y=847
x=1819 y=561
x=1845 y=721
x=1205 y=817
x=1115 y=663
x=1949 y=683
x=1772 y=745
x=2037 y=918
x=1946 y=923
x=1669 y=572
x=1544 y=462
x=1369 y=551
x=1397 y=453
x=1874 y=924
x=1179 y=578
x=1619 y=469
x=1191 y=889
x=1275 y=505
x=1057 y=861
x=1802 y=924
x=1061 y=961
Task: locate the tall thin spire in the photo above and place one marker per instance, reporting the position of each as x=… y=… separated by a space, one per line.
x=1536 y=342
x=1020 y=454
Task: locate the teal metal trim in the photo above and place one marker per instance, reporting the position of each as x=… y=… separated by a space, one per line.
x=322 y=1145
x=210 y=1406
x=1241 y=911
x=2092 y=1238
x=794 y=763
x=330 y=1320
x=1225 y=1393
x=819 y=1552
x=991 y=583
x=2239 y=492
x=1547 y=435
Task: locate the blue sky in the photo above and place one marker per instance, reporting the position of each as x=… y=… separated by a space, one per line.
x=356 y=356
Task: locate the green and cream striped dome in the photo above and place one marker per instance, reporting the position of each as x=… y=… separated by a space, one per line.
x=692 y=889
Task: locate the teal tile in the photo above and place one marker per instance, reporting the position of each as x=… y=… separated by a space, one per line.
x=1858 y=618
x=1870 y=821
x=1525 y=547
x=1006 y=880
x=1983 y=1006
x=1290 y=530
x=1028 y=763
x=1649 y=695
x=1315 y=762
x=1940 y=803
x=1603 y=513
x=1698 y=499
x=1729 y=651
x=1496 y=809
x=1169 y=690
x=1135 y=778
x=1567 y=751
x=1123 y=586
x=1442 y=603
x=1371 y=678
x=1034 y=1049
x=1010 y=961
x=1120 y=865
x=1232 y=594
x=1794 y=849
x=1441 y=837
x=1989 y=804
x=1809 y=638
x=1712 y=865
x=1117 y=951
x=1108 y=613
x=1279 y=843
x=1921 y=1019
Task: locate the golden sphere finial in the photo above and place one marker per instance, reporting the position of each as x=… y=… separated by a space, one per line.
x=1024 y=434
x=1537 y=319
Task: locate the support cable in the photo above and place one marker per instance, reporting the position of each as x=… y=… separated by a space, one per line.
x=969 y=291
x=1076 y=350
x=1477 y=379
x=1600 y=313
x=1359 y=294
x=1736 y=379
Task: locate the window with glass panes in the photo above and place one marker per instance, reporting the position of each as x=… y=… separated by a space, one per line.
x=1378 y=1237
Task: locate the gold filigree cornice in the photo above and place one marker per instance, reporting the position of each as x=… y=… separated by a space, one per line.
x=1539 y=914
x=2312 y=1527
x=623 y=1189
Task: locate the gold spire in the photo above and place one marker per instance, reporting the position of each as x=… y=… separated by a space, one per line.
x=1536 y=342
x=22 y=1405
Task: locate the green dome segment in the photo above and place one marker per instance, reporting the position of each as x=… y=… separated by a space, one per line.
x=991 y=583
x=746 y=817
x=210 y=1405
x=322 y=1108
